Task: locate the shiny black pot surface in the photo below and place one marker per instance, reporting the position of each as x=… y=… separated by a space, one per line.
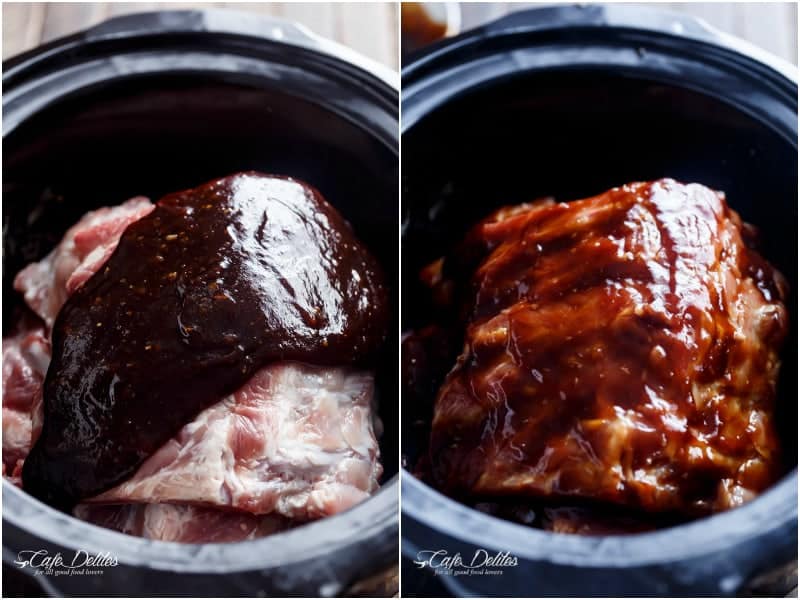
x=570 y=101
x=158 y=102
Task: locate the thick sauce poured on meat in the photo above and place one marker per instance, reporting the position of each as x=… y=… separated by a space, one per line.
x=620 y=349
x=215 y=283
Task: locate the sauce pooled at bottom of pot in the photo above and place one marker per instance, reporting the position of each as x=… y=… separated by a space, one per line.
x=215 y=283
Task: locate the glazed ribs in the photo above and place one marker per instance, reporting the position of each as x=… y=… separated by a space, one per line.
x=621 y=349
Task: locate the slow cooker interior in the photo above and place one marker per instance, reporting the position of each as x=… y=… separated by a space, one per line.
x=575 y=134
x=154 y=135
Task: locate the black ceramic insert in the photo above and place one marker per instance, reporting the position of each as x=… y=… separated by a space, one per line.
x=160 y=102
x=569 y=102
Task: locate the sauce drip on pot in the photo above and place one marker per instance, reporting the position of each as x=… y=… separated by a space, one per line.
x=212 y=285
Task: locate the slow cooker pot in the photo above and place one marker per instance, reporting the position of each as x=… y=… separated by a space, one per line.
x=152 y=103
x=569 y=101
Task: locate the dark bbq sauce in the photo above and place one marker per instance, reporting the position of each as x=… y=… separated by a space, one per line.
x=215 y=283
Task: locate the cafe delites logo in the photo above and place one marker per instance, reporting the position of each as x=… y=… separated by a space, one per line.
x=482 y=562
x=80 y=562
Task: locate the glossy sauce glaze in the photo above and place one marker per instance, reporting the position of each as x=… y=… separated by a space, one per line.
x=621 y=349
x=215 y=283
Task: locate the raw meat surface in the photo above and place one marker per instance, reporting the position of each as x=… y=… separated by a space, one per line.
x=26 y=355
x=320 y=456
x=86 y=246
x=46 y=285
x=621 y=348
x=295 y=440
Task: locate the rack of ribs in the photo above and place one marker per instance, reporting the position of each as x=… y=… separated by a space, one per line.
x=621 y=349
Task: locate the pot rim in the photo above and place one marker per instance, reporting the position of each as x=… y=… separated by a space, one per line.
x=158 y=23
x=627 y=40
x=236 y=46
x=370 y=519
x=770 y=513
x=648 y=19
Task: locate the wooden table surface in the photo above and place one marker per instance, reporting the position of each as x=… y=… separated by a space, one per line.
x=370 y=28
x=770 y=25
